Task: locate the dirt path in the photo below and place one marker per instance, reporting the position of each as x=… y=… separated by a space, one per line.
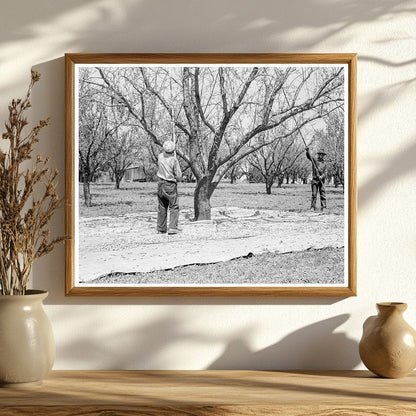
x=130 y=243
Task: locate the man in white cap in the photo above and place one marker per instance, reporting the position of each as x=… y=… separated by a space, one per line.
x=169 y=172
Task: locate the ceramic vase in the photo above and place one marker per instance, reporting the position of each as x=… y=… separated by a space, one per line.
x=27 y=347
x=388 y=345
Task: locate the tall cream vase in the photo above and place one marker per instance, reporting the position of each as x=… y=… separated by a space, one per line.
x=28 y=200
x=27 y=347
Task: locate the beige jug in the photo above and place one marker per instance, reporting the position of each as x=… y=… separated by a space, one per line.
x=388 y=345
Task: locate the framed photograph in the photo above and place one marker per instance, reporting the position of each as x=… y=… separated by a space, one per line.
x=211 y=174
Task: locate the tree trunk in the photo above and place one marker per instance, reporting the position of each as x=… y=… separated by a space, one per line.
x=202 y=194
x=233 y=175
x=269 y=184
x=280 y=179
x=87 y=193
x=118 y=178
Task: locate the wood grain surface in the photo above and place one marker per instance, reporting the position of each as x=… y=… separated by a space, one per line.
x=204 y=393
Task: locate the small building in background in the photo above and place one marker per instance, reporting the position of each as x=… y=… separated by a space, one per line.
x=103 y=177
x=243 y=178
x=134 y=174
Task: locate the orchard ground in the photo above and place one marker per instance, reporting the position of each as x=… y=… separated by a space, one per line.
x=252 y=238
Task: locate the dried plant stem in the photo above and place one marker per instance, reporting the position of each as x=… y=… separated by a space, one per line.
x=23 y=217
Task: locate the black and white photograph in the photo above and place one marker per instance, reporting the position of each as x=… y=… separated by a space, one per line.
x=211 y=175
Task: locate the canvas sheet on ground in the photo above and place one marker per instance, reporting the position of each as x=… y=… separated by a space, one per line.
x=248 y=211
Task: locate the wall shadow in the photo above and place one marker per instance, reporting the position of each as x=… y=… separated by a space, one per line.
x=392 y=170
x=138 y=347
x=143 y=26
x=316 y=346
x=152 y=24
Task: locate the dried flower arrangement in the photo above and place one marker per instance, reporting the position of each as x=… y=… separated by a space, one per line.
x=28 y=199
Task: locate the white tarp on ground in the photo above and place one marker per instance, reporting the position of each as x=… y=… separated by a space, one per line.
x=130 y=243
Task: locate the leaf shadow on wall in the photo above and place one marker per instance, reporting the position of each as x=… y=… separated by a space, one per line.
x=391 y=171
x=144 y=346
x=116 y=345
x=402 y=162
x=316 y=346
x=217 y=26
x=109 y=25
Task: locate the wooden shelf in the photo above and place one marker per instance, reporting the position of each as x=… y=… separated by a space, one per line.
x=202 y=393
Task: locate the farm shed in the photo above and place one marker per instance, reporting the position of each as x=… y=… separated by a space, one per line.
x=134 y=174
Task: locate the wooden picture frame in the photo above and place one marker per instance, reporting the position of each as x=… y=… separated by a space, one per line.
x=302 y=66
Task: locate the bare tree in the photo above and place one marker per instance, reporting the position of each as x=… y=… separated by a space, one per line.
x=300 y=169
x=332 y=140
x=203 y=104
x=121 y=153
x=97 y=125
x=274 y=160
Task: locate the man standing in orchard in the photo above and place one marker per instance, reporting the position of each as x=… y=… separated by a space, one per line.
x=169 y=172
x=318 y=178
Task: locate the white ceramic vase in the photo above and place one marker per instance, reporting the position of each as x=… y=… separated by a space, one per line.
x=27 y=347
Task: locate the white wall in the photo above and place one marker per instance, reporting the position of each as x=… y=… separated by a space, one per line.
x=198 y=333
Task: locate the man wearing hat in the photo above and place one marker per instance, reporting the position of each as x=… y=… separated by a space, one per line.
x=169 y=172
x=318 y=178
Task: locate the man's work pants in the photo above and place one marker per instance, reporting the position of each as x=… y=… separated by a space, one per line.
x=317 y=186
x=167 y=195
